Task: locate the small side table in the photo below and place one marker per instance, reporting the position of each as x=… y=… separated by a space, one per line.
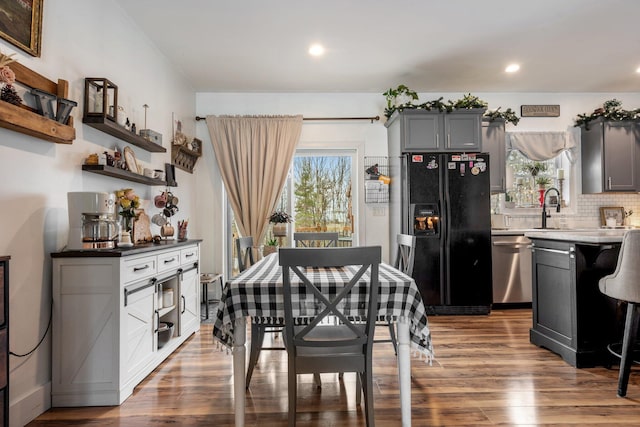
x=205 y=280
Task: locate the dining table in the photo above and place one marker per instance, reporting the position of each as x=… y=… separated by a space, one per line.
x=257 y=293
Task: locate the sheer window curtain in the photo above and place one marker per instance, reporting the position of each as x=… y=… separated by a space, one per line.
x=254 y=154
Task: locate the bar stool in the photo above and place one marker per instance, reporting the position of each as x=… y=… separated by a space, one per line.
x=624 y=284
x=205 y=280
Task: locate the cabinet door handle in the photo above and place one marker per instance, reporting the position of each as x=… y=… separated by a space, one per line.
x=184 y=304
x=437 y=141
x=128 y=291
x=448 y=141
x=609 y=182
x=141 y=268
x=189 y=255
x=167 y=261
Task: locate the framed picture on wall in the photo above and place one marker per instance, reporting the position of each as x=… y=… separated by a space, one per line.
x=611 y=213
x=23 y=26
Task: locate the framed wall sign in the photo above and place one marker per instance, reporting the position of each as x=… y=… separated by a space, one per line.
x=22 y=24
x=540 y=110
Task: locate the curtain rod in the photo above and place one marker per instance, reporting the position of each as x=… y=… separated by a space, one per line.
x=376 y=118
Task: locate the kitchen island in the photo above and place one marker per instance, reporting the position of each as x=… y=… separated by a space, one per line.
x=571 y=317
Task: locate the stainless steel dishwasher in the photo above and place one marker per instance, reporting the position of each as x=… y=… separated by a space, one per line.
x=511 y=261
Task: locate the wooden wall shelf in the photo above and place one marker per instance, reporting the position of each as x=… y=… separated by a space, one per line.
x=107 y=126
x=22 y=119
x=122 y=174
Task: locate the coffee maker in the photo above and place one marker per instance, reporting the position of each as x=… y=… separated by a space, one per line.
x=92 y=223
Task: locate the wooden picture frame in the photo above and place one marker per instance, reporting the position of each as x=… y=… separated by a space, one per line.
x=616 y=212
x=23 y=28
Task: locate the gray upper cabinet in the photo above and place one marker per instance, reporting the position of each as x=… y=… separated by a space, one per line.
x=494 y=143
x=433 y=131
x=610 y=156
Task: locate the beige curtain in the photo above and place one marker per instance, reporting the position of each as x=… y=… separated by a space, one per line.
x=254 y=154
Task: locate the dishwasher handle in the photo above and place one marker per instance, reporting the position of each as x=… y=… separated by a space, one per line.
x=570 y=252
x=513 y=245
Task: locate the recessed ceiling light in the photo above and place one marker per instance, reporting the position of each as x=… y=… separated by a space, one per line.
x=512 y=68
x=316 y=50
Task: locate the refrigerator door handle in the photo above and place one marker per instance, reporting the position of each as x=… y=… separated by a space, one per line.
x=444 y=230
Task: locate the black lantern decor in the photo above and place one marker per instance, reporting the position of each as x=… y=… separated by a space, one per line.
x=100 y=98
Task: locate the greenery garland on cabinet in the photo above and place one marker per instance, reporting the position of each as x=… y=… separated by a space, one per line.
x=402 y=98
x=610 y=110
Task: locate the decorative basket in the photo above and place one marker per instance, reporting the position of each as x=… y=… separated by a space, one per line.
x=184 y=158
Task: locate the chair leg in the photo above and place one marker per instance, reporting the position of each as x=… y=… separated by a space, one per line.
x=368 y=396
x=628 y=343
x=257 y=337
x=293 y=394
x=392 y=334
x=317 y=380
x=358 y=388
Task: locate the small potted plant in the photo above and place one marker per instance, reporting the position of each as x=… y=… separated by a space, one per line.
x=280 y=219
x=543 y=181
x=270 y=246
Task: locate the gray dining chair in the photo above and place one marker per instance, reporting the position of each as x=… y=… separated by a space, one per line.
x=320 y=346
x=244 y=250
x=315 y=239
x=405 y=258
x=624 y=285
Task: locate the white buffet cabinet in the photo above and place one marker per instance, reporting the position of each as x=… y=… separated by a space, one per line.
x=107 y=308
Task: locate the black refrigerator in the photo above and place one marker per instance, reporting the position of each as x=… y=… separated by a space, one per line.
x=444 y=200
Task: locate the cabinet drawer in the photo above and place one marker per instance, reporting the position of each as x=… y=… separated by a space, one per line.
x=140 y=268
x=168 y=261
x=189 y=255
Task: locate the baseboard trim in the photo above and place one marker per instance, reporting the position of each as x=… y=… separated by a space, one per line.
x=29 y=406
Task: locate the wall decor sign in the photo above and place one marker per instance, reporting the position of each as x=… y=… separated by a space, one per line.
x=540 y=110
x=21 y=24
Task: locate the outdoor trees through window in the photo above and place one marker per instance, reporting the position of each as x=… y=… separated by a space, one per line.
x=322 y=190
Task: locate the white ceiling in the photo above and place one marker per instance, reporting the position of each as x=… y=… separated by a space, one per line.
x=372 y=45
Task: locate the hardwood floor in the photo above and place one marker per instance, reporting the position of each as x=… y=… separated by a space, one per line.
x=485 y=373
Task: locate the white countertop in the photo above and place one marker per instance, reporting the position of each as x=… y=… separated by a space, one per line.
x=586 y=235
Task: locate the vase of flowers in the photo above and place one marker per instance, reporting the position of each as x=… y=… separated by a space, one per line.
x=128 y=202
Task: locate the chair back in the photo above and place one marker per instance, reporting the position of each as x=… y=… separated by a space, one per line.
x=331 y=302
x=315 y=239
x=624 y=282
x=244 y=251
x=405 y=255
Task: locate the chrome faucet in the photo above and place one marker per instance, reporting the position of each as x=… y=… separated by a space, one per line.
x=546 y=215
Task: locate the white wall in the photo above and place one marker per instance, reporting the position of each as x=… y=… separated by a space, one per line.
x=371 y=138
x=80 y=39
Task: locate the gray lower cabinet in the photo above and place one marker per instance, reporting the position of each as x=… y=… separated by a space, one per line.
x=494 y=143
x=610 y=156
x=571 y=317
x=433 y=131
x=111 y=318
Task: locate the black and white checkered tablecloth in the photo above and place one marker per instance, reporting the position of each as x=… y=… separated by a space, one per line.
x=257 y=292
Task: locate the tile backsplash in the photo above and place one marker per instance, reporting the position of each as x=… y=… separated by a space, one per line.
x=586 y=213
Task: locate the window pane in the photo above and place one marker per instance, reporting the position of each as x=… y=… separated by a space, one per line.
x=528 y=179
